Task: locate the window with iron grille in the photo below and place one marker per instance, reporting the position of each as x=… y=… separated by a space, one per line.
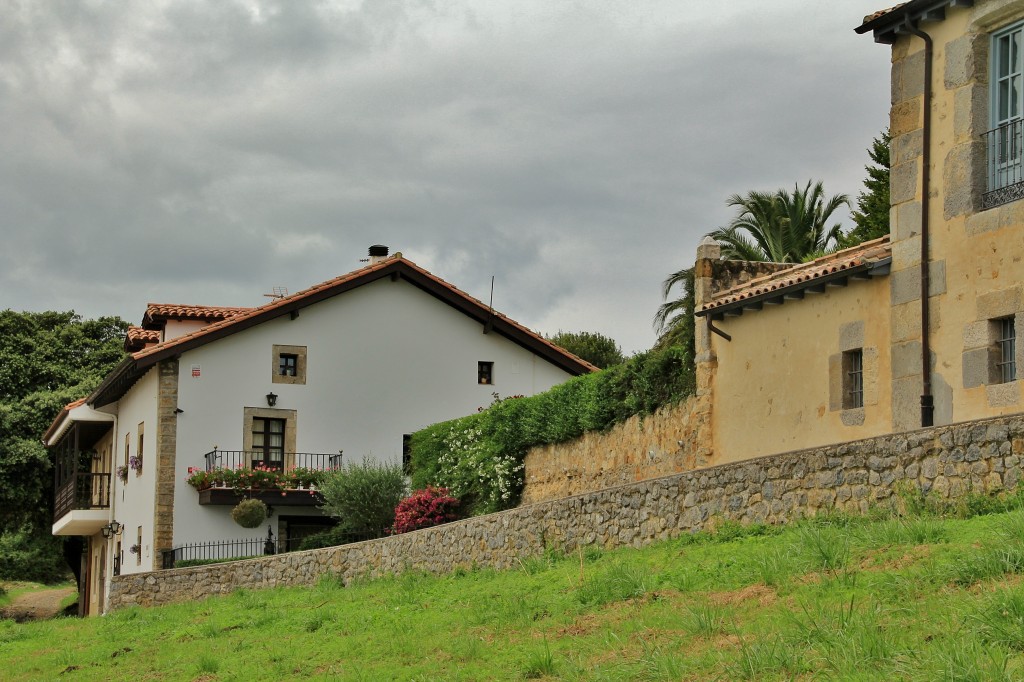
x=1005 y=170
x=853 y=379
x=1006 y=349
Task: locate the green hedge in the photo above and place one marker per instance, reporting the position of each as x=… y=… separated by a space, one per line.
x=480 y=457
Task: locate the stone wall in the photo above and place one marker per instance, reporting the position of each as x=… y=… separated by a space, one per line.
x=676 y=438
x=945 y=461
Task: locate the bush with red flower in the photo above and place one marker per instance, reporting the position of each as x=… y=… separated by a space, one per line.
x=425 y=508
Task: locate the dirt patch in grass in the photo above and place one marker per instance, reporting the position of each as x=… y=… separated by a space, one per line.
x=765 y=596
x=36 y=605
x=874 y=560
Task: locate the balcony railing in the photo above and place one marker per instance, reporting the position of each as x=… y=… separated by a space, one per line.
x=1004 y=167
x=251 y=459
x=82 y=491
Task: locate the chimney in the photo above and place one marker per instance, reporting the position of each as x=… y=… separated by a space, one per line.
x=378 y=253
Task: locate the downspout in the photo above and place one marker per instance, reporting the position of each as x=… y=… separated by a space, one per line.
x=927 y=400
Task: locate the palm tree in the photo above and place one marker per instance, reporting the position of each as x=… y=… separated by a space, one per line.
x=778 y=226
x=781 y=227
x=674 y=320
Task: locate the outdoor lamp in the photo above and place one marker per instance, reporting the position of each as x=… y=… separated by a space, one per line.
x=271 y=399
x=111 y=529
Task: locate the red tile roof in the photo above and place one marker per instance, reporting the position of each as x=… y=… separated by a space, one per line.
x=177 y=311
x=396 y=266
x=882 y=12
x=55 y=424
x=138 y=338
x=804 y=274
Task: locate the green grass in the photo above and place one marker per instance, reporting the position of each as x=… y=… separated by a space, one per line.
x=839 y=598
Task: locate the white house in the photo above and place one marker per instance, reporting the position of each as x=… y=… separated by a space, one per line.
x=352 y=366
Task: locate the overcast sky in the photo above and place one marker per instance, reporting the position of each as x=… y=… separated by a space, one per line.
x=206 y=152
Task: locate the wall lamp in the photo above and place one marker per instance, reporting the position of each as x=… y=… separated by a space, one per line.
x=271 y=399
x=111 y=529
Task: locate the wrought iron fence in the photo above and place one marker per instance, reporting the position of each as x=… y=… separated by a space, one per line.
x=226 y=550
x=248 y=459
x=1004 y=164
x=82 y=491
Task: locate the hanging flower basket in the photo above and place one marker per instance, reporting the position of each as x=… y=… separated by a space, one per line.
x=135 y=464
x=122 y=473
x=249 y=513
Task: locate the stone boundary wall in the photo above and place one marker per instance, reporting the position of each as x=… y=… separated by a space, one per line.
x=946 y=461
x=674 y=439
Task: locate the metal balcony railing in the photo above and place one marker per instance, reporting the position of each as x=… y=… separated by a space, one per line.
x=82 y=491
x=282 y=461
x=1004 y=164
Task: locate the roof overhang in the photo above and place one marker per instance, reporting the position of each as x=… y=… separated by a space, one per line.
x=891 y=25
x=124 y=376
x=80 y=414
x=799 y=290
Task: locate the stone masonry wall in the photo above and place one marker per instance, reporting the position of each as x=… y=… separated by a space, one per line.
x=676 y=438
x=946 y=461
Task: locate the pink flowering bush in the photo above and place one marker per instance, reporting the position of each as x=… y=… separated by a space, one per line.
x=425 y=508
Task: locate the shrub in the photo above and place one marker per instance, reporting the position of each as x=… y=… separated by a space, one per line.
x=363 y=496
x=479 y=458
x=338 y=535
x=425 y=508
x=249 y=513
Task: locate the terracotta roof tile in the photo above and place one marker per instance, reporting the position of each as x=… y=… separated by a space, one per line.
x=882 y=12
x=177 y=311
x=804 y=273
x=243 y=314
x=138 y=338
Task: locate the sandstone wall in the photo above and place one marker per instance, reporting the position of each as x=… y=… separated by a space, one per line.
x=677 y=438
x=946 y=461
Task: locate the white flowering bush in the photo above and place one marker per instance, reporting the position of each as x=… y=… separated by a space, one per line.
x=471 y=468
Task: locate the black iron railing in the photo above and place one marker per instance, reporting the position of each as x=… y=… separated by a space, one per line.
x=225 y=550
x=82 y=491
x=250 y=459
x=1004 y=167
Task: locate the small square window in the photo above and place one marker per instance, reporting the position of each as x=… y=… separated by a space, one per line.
x=853 y=379
x=287 y=364
x=1006 y=350
x=485 y=373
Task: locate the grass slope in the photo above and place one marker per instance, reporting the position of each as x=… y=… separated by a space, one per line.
x=915 y=598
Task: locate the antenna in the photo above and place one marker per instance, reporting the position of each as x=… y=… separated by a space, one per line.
x=489 y=322
x=279 y=293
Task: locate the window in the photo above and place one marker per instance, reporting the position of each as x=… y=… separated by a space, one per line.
x=289 y=364
x=138 y=546
x=268 y=443
x=1006 y=349
x=1003 y=142
x=407 y=454
x=853 y=379
x=485 y=372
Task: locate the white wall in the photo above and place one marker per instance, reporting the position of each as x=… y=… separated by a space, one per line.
x=133 y=502
x=383 y=360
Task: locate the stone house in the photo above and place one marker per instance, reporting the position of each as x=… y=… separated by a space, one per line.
x=910 y=331
x=348 y=368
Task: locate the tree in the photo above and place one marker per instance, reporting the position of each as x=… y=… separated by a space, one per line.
x=46 y=360
x=363 y=496
x=781 y=227
x=674 y=320
x=872 y=214
x=597 y=349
